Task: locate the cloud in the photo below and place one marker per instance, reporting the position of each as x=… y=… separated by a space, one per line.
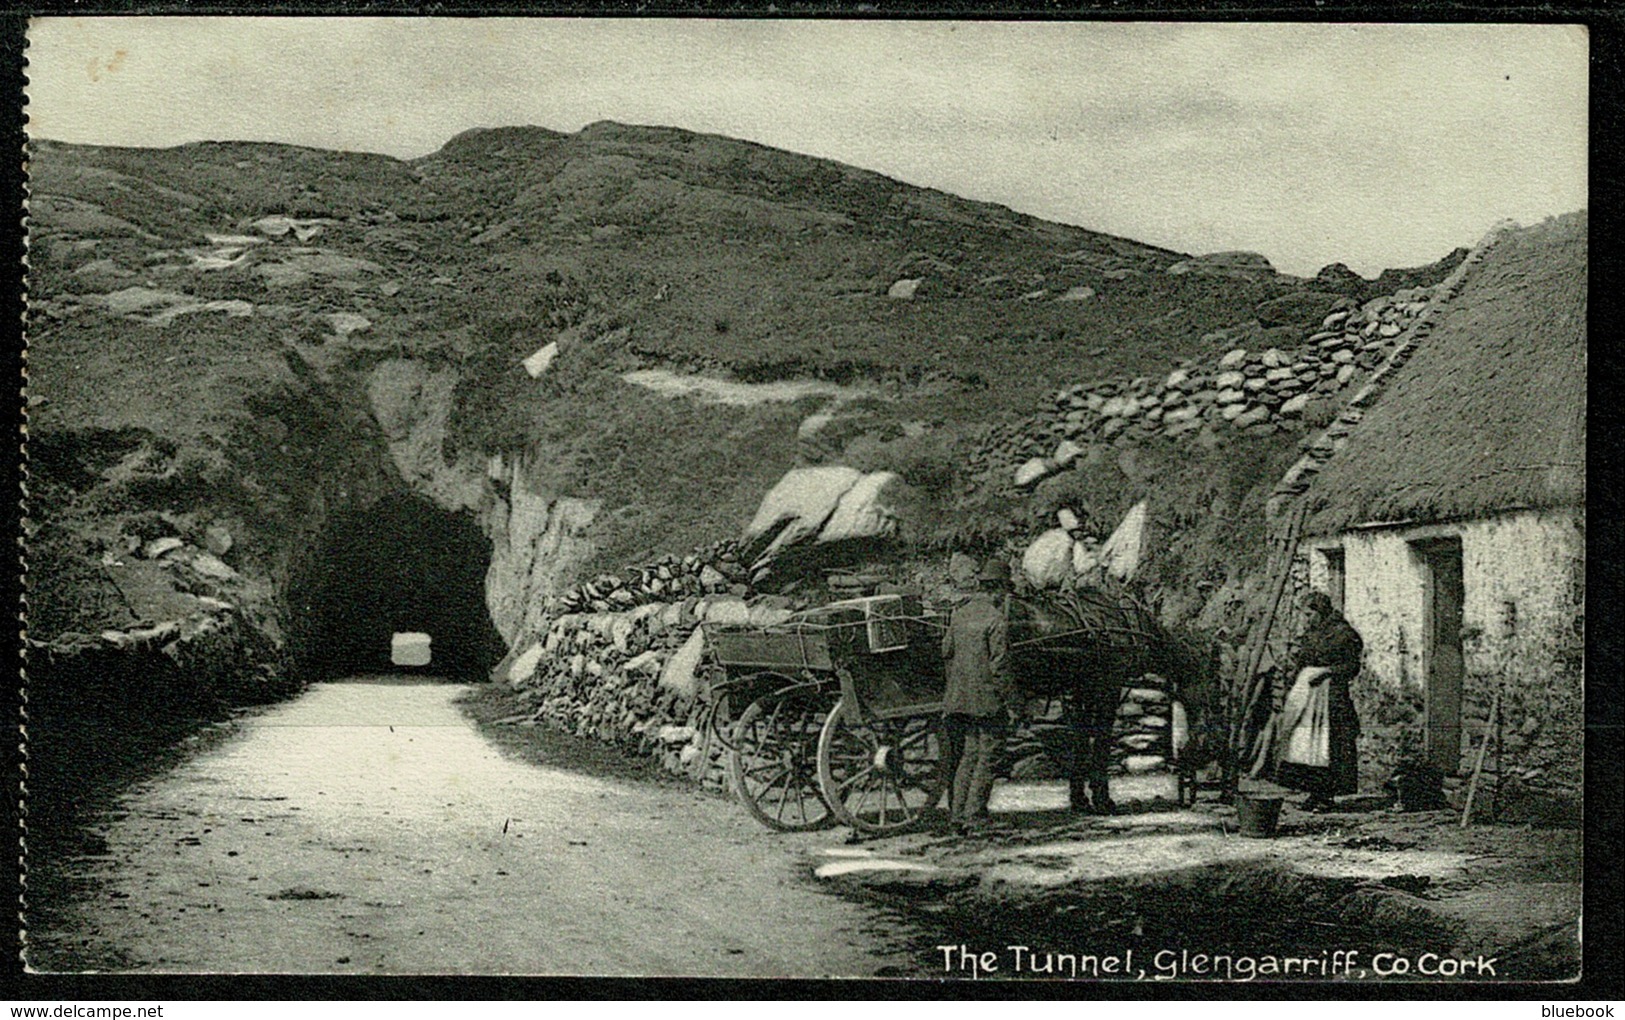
x=1369 y=144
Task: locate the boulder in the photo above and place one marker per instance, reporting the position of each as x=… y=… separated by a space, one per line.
x=1121 y=553
x=1253 y=416
x=1030 y=472
x=1294 y=408
x=726 y=609
x=524 y=667
x=1066 y=453
x=648 y=662
x=1275 y=358
x=863 y=511
x=210 y=565
x=903 y=290
x=1066 y=519
x=681 y=671
x=1077 y=294
x=159 y=546
x=800 y=504
x=1229 y=380
x=217 y=539
x=1230 y=396
x=537 y=363
x=1048 y=560
x=1234 y=359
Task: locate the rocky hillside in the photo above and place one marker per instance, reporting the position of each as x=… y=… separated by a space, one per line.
x=599 y=351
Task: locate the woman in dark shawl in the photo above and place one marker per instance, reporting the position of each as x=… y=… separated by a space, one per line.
x=1319 y=729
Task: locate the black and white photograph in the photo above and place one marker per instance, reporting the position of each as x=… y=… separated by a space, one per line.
x=1092 y=502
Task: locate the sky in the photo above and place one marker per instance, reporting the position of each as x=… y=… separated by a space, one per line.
x=1373 y=145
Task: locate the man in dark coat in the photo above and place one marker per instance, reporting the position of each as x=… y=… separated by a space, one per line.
x=980 y=695
x=1320 y=730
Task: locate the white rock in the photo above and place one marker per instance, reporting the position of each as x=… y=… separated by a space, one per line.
x=1235 y=359
x=1343 y=357
x=1066 y=453
x=863 y=511
x=537 y=363
x=1345 y=373
x=1294 y=407
x=801 y=502
x=159 y=546
x=1230 y=412
x=1121 y=553
x=1137 y=763
x=1066 y=519
x=769 y=616
x=1334 y=320
x=217 y=539
x=1048 y=560
x=1178 y=377
x=1077 y=294
x=210 y=565
x=1085 y=558
x=903 y=290
x=674 y=734
x=711 y=577
x=1030 y=472
x=1229 y=380
x=1230 y=396
x=524 y=667
x=345 y=323
x=729 y=610
x=648 y=662
x=1275 y=358
x=680 y=674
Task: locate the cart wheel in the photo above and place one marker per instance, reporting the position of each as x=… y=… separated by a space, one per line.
x=719 y=719
x=881 y=776
x=774 y=761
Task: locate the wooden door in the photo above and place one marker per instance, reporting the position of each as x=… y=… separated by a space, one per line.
x=1442 y=665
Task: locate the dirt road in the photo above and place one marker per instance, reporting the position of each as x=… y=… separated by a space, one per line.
x=369 y=828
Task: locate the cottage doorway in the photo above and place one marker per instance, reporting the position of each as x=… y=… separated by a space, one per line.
x=1442 y=663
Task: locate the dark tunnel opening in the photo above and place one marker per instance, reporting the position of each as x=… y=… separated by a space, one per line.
x=400 y=565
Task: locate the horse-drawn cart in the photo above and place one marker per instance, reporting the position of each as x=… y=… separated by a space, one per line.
x=840 y=723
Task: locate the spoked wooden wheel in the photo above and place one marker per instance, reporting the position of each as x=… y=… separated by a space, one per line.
x=881 y=776
x=774 y=764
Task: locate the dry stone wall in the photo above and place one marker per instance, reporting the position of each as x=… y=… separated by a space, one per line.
x=1269 y=389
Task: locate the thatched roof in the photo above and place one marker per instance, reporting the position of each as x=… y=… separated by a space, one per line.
x=1489 y=413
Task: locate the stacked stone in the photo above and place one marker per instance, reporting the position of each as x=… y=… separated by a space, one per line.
x=712 y=570
x=599 y=675
x=1144 y=727
x=1265 y=390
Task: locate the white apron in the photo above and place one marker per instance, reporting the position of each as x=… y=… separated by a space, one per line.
x=1306 y=720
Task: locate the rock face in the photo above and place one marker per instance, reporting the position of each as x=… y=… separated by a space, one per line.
x=412 y=401
x=538 y=542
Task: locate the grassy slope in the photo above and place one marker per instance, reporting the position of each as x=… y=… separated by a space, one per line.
x=636 y=247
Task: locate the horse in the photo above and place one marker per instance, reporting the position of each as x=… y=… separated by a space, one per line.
x=1084 y=646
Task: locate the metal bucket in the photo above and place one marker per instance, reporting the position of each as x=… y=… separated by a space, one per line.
x=1257 y=815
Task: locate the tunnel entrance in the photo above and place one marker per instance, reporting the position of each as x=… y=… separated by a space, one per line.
x=401 y=565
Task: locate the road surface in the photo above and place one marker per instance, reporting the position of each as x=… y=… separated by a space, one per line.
x=369 y=828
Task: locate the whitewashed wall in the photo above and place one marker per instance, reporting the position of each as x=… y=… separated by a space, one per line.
x=1530 y=557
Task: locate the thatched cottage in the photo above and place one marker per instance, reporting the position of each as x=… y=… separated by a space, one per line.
x=1451 y=527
